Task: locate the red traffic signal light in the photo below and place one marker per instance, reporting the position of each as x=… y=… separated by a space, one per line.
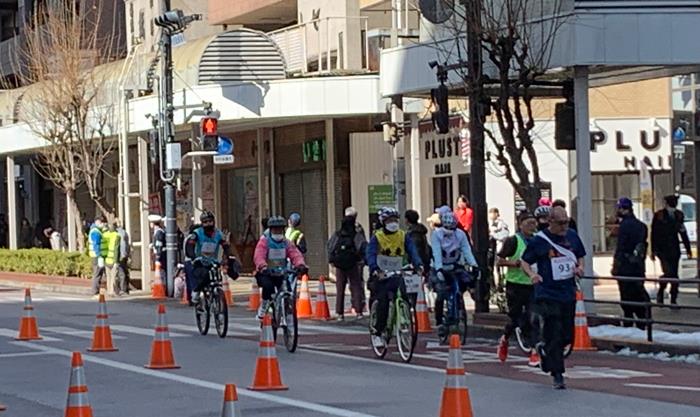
x=209 y=126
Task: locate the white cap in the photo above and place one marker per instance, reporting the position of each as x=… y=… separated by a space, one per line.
x=154 y=218
x=351 y=212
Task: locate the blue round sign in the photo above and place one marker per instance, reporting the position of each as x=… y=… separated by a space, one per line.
x=224 y=146
x=679 y=134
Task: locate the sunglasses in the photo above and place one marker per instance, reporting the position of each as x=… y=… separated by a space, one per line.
x=560 y=222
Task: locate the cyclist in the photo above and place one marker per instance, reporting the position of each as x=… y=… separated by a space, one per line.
x=451 y=251
x=518 y=284
x=270 y=258
x=294 y=233
x=387 y=252
x=202 y=247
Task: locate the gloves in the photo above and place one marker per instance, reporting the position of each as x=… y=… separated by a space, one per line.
x=440 y=275
x=233 y=268
x=100 y=262
x=302 y=269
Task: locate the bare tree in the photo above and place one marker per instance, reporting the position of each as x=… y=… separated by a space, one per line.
x=517 y=39
x=63 y=102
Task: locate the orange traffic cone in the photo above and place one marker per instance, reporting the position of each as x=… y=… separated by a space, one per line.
x=2 y=407
x=183 y=299
x=304 y=310
x=455 y=395
x=162 y=348
x=254 y=297
x=267 y=369
x=157 y=289
x=28 y=329
x=77 y=404
x=322 y=310
x=227 y=291
x=230 y=400
x=582 y=340
x=102 y=336
x=422 y=316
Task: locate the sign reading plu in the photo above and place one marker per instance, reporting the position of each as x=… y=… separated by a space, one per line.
x=314 y=150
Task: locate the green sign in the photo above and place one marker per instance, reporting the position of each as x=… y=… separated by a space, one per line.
x=314 y=150
x=380 y=196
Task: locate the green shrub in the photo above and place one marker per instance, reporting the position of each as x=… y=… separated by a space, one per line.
x=46 y=262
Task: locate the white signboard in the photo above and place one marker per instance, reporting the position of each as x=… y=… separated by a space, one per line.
x=621 y=145
x=173 y=156
x=223 y=159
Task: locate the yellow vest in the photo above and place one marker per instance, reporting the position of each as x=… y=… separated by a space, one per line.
x=111 y=241
x=391 y=244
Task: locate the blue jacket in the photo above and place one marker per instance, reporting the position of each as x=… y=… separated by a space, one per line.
x=373 y=249
x=95 y=238
x=457 y=241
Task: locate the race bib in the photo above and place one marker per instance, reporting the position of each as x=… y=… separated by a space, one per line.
x=389 y=263
x=277 y=257
x=562 y=268
x=209 y=249
x=412 y=283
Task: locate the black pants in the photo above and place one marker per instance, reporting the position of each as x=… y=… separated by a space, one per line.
x=444 y=292
x=268 y=283
x=519 y=300
x=670 y=267
x=633 y=291
x=200 y=277
x=556 y=320
x=383 y=291
x=351 y=277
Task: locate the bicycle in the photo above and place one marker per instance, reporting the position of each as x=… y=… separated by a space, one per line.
x=283 y=307
x=454 y=317
x=401 y=317
x=212 y=301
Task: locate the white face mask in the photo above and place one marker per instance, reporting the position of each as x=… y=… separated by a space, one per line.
x=392 y=227
x=277 y=237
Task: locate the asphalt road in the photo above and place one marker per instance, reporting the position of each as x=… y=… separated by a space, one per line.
x=332 y=374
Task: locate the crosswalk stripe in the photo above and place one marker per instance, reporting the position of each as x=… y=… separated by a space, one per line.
x=142 y=331
x=69 y=331
x=13 y=333
x=192 y=329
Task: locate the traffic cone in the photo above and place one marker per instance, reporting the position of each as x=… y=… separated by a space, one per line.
x=77 y=404
x=102 y=336
x=2 y=407
x=267 y=369
x=230 y=400
x=28 y=329
x=254 y=297
x=227 y=292
x=582 y=340
x=183 y=299
x=157 y=289
x=304 y=310
x=322 y=310
x=422 y=316
x=455 y=395
x=162 y=348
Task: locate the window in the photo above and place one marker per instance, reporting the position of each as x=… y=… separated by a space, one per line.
x=142 y=25
x=131 y=19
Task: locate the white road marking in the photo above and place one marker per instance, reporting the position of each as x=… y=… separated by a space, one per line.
x=69 y=331
x=191 y=329
x=469 y=356
x=142 y=331
x=320 y=408
x=373 y=361
x=20 y=354
x=327 y=329
x=593 y=372
x=667 y=387
x=13 y=333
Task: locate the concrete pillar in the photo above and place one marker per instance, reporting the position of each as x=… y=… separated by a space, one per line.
x=273 y=175
x=12 y=202
x=197 y=201
x=330 y=176
x=143 y=205
x=415 y=165
x=582 y=181
x=399 y=161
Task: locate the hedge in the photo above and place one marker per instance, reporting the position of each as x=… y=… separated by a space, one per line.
x=46 y=262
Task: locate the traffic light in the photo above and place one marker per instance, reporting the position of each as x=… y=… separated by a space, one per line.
x=441 y=115
x=209 y=131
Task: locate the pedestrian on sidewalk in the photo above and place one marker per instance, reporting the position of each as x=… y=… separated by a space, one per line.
x=418 y=234
x=97 y=251
x=572 y=223
x=666 y=227
x=114 y=277
x=124 y=256
x=559 y=256
x=345 y=252
x=26 y=235
x=628 y=261
x=464 y=214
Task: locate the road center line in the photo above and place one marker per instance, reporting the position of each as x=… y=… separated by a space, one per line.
x=21 y=354
x=666 y=387
x=333 y=411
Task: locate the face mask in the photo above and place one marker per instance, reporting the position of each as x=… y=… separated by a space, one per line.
x=209 y=228
x=542 y=226
x=277 y=237
x=392 y=227
x=670 y=210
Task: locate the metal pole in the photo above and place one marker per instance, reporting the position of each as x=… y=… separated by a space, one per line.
x=477 y=174
x=126 y=176
x=696 y=159
x=12 y=201
x=398 y=156
x=168 y=137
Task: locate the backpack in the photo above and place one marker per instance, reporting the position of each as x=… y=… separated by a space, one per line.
x=344 y=254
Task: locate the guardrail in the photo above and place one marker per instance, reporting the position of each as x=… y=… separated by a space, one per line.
x=648 y=305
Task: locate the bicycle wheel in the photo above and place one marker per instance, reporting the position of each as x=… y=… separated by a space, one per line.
x=462 y=323
x=220 y=310
x=444 y=329
x=290 y=327
x=379 y=351
x=405 y=330
x=201 y=314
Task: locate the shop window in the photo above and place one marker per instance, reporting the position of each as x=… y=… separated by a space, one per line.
x=682 y=100
x=442 y=191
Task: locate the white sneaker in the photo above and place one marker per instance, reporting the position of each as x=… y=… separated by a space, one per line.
x=378 y=341
x=263 y=309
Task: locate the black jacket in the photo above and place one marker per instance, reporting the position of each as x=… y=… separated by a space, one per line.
x=419 y=235
x=630 y=253
x=665 y=229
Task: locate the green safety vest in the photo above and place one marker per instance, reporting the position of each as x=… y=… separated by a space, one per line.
x=103 y=244
x=293 y=235
x=110 y=247
x=514 y=274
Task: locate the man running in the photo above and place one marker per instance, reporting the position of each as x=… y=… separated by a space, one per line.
x=558 y=254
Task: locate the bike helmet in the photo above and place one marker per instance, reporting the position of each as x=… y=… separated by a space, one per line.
x=276 y=221
x=206 y=216
x=542 y=211
x=295 y=219
x=386 y=213
x=448 y=220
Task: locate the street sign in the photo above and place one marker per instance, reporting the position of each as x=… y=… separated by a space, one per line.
x=224 y=146
x=173 y=156
x=223 y=159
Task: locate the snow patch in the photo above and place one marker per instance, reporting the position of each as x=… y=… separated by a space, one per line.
x=633 y=333
x=662 y=356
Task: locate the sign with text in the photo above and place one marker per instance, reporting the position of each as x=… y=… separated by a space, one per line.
x=380 y=196
x=314 y=150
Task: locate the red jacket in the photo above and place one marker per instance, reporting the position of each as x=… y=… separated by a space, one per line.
x=465 y=218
